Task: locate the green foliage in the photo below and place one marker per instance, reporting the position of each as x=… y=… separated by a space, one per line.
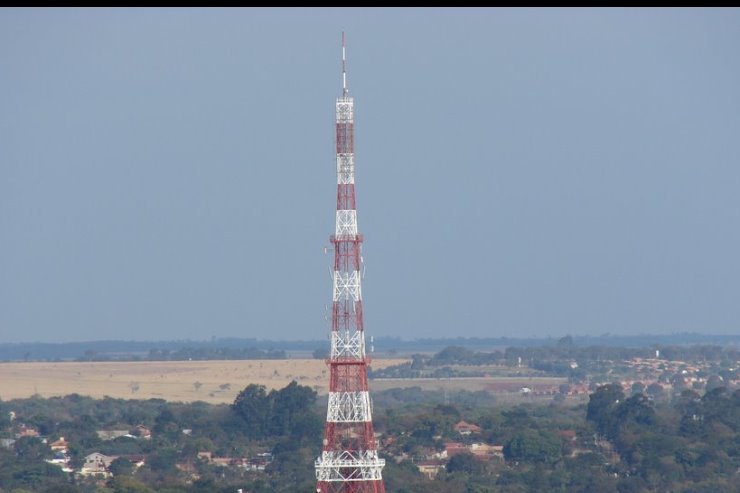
x=565 y=342
x=638 y=388
x=601 y=408
x=464 y=463
x=253 y=405
x=285 y=412
x=636 y=409
x=163 y=460
x=121 y=467
x=642 y=445
x=24 y=468
x=213 y=353
x=31 y=449
x=290 y=411
x=122 y=446
x=292 y=469
x=122 y=484
x=452 y=354
x=655 y=390
x=166 y=425
x=533 y=447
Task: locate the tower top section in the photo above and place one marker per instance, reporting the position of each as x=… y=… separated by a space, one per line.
x=345 y=91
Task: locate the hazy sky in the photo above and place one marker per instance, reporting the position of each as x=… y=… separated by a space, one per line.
x=169 y=174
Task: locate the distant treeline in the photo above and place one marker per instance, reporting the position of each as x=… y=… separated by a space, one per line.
x=564 y=359
x=190 y=354
x=251 y=348
x=231 y=348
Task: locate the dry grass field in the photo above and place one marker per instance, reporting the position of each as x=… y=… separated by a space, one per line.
x=214 y=381
x=186 y=381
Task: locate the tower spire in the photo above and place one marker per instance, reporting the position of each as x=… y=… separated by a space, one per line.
x=345 y=91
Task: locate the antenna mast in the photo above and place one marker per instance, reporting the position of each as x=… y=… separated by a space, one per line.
x=349 y=461
x=345 y=91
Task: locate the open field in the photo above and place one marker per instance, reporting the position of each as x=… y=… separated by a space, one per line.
x=505 y=389
x=472 y=384
x=220 y=381
x=216 y=381
x=494 y=385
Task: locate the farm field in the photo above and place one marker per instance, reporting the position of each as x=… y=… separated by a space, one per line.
x=185 y=381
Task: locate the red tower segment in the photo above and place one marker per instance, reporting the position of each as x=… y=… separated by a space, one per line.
x=349 y=461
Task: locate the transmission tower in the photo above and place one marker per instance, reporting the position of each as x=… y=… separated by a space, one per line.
x=349 y=461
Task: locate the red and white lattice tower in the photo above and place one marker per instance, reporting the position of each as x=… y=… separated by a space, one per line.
x=349 y=461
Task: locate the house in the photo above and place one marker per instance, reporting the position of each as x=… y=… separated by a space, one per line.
x=206 y=456
x=97 y=463
x=256 y=464
x=106 y=435
x=260 y=462
x=486 y=452
x=137 y=460
x=58 y=458
x=226 y=461
x=142 y=431
x=465 y=428
x=189 y=468
x=27 y=431
x=497 y=451
x=430 y=468
x=567 y=435
x=61 y=459
x=60 y=445
x=454 y=448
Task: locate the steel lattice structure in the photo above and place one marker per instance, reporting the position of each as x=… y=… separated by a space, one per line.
x=349 y=462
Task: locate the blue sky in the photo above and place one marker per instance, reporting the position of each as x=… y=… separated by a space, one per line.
x=168 y=174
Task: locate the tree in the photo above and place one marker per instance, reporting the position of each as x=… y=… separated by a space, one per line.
x=517 y=418
x=714 y=382
x=601 y=407
x=565 y=342
x=121 y=467
x=452 y=354
x=292 y=468
x=636 y=409
x=464 y=463
x=31 y=449
x=533 y=446
x=163 y=460
x=253 y=406
x=166 y=425
x=45 y=424
x=655 y=390
x=288 y=407
x=679 y=382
